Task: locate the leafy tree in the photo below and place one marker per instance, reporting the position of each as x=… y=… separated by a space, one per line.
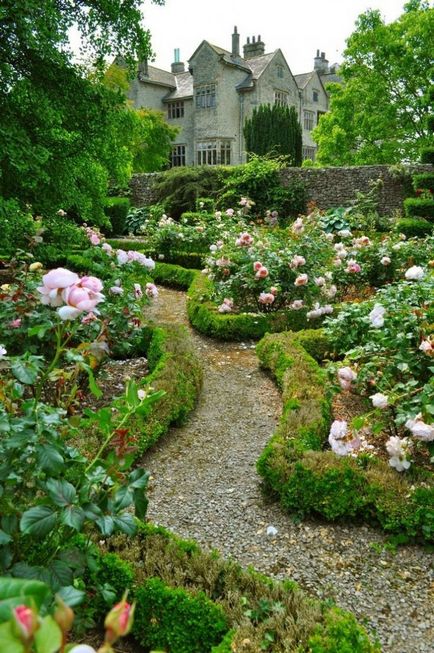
x=274 y=130
x=378 y=114
x=60 y=130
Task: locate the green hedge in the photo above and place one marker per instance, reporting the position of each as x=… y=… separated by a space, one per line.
x=190 y=260
x=418 y=227
x=424 y=180
x=176 y=620
x=204 y=316
x=116 y=209
x=416 y=207
x=194 y=601
x=311 y=480
x=427 y=155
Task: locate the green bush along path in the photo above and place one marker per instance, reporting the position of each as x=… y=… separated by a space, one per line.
x=204 y=486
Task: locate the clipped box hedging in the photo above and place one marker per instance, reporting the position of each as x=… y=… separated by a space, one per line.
x=311 y=480
x=417 y=207
x=193 y=601
x=423 y=180
x=427 y=154
x=204 y=316
x=174 y=368
x=173 y=619
x=414 y=227
x=190 y=260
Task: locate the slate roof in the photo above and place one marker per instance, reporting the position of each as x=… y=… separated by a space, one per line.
x=159 y=76
x=184 y=87
x=331 y=77
x=257 y=65
x=303 y=79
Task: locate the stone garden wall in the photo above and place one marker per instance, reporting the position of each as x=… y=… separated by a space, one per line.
x=328 y=187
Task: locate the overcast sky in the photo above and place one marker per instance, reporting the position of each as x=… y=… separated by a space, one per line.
x=297 y=27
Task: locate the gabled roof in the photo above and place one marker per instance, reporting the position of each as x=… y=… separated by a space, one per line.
x=225 y=56
x=158 y=76
x=303 y=79
x=331 y=77
x=184 y=87
x=257 y=66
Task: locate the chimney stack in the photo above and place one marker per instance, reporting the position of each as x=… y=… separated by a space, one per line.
x=177 y=65
x=256 y=48
x=320 y=63
x=235 y=43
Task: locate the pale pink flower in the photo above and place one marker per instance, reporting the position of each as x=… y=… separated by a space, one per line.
x=319 y=281
x=337 y=262
x=55 y=282
x=339 y=429
x=376 y=316
x=379 y=400
x=427 y=347
x=274 y=290
x=138 y=293
x=297 y=304
x=230 y=213
x=261 y=273
x=151 y=290
x=301 y=280
x=330 y=292
x=420 y=429
x=78 y=299
x=119 y=620
x=107 y=248
x=15 y=324
x=223 y=262
x=346 y=377
x=244 y=240
x=386 y=260
x=353 y=266
x=122 y=257
x=298 y=226
x=363 y=241
x=26 y=621
x=266 y=298
x=91 y=283
x=116 y=290
x=297 y=261
x=90 y=317
x=257 y=265
x=94 y=239
x=224 y=308
x=398 y=450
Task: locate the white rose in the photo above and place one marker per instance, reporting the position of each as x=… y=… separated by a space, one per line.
x=379 y=400
x=414 y=273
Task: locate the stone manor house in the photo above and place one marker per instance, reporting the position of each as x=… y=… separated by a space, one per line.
x=212 y=98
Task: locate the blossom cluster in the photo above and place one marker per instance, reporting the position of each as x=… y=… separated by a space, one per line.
x=71 y=294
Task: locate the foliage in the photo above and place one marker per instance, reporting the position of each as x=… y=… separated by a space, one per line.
x=176 y=619
x=418 y=207
x=340 y=634
x=424 y=180
x=308 y=479
x=260 y=179
x=116 y=209
x=17 y=227
x=76 y=137
x=378 y=114
x=179 y=188
x=135 y=221
x=414 y=227
x=274 y=130
x=152 y=139
x=427 y=155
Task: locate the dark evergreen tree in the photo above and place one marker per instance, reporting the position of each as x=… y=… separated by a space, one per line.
x=274 y=130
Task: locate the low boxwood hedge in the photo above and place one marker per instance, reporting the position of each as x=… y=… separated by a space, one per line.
x=418 y=207
x=414 y=227
x=194 y=601
x=423 y=180
x=190 y=260
x=204 y=316
x=311 y=480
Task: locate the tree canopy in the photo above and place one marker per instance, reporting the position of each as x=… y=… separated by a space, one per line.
x=378 y=114
x=274 y=130
x=64 y=133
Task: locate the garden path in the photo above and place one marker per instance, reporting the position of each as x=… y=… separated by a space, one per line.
x=204 y=486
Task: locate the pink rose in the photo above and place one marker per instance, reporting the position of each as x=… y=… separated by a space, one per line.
x=346 y=377
x=261 y=273
x=297 y=261
x=257 y=265
x=15 y=324
x=301 y=280
x=91 y=283
x=55 y=282
x=297 y=304
x=266 y=298
x=138 y=293
x=94 y=239
x=78 y=299
x=26 y=621
x=353 y=266
x=151 y=290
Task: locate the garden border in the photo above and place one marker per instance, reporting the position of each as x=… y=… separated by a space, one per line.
x=209 y=586
x=206 y=319
x=309 y=480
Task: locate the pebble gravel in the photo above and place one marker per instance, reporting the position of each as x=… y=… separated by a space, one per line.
x=204 y=486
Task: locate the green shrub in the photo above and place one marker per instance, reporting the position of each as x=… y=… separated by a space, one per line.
x=17 y=227
x=424 y=180
x=427 y=155
x=417 y=207
x=340 y=633
x=180 y=188
x=418 y=227
x=116 y=209
x=174 y=619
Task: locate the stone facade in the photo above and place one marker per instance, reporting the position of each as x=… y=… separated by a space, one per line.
x=211 y=100
x=328 y=187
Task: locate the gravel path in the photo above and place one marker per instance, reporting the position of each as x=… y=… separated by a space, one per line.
x=204 y=486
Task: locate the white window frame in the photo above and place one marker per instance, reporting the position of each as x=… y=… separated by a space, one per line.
x=206 y=96
x=177 y=157
x=308 y=120
x=309 y=152
x=214 y=152
x=281 y=97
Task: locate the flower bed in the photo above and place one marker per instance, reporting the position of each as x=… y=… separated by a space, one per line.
x=311 y=480
x=205 y=317
x=190 y=600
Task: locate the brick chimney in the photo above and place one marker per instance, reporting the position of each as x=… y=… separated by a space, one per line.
x=253 y=49
x=235 y=43
x=177 y=66
x=320 y=63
